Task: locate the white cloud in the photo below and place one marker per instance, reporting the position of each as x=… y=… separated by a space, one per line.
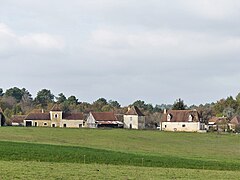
x=161 y=43
x=11 y=43
x=212 y=9
x=42 y=41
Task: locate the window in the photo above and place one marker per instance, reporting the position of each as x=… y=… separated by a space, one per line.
x=53 y=125
x=169 y=117
x=183 y=125
x=64 y=125
x=83 y=123
x=165 y=126
x=80 y=125
x=56 y=116
x=190 y=117
x=130 y=119
x=45 y=124
x=35 y=123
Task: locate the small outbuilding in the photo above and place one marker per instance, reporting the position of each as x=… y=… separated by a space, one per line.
x=17 y=120
x=134 y=118
x=234 y=123
x=103 y=119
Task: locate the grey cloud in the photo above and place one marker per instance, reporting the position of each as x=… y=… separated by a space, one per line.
x=125 y=50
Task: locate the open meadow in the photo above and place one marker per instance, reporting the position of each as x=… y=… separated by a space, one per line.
x=59 y=153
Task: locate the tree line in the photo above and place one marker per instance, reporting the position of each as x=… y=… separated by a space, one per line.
x=19 y=101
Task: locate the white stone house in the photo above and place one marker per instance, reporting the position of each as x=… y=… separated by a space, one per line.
x=55 y=118
x=103 y=119
x=182 y=120
x=134 y=118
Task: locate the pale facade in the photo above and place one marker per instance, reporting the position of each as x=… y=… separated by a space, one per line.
x=91 y=122
x=55 y=118
x=182 y=120
x=183 y=126
x=134 y=119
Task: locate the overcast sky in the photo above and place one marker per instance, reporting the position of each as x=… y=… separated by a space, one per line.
x=125 y=50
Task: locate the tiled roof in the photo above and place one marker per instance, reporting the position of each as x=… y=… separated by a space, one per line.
x=181 y=116
x=38 y=116
x=134 y=111
x=235 y=120
x=18 y=118
x=73 y=116
x=109 y=122
x=104 y=116
x=56 y=107
x=218 y=119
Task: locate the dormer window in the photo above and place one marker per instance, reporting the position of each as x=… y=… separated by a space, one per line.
x=190 y=118
x=169 y=117
x=55 y=116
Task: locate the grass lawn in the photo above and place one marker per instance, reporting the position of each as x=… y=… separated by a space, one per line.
x=126 y=153
x=45 y=170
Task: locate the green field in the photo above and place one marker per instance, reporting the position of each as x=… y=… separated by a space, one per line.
x=117 y=153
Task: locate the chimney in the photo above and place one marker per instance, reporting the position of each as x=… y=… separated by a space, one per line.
x=129 y=108
x=42 y=111
x=165 y=111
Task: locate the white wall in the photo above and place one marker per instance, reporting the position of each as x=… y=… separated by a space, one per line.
x=137 y=122
x=179 y=126
x=91 y=121
x=71 y=123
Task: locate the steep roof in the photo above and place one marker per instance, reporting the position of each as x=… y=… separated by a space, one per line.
x=134 y=111
x=73 y=116
x=56 y=107
x=181 y=116
x=104 y=116
x=235 y=120
x=18 y=118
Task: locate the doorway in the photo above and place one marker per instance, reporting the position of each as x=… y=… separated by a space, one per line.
x=28 y=123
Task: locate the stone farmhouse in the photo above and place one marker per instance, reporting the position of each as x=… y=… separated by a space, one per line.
x=55 y=118
x=134 y=118
x=103 y=119
x=182 y=120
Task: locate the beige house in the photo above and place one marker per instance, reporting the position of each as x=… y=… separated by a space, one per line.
x=134 y=118
x=182 y=120
x=55 y=118
x=234 y=123
x=103 y=119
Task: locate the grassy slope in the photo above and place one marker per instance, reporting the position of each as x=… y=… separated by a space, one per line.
x=11 y=151
x=46 y=170
x=184 y=145
x=120 y=147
